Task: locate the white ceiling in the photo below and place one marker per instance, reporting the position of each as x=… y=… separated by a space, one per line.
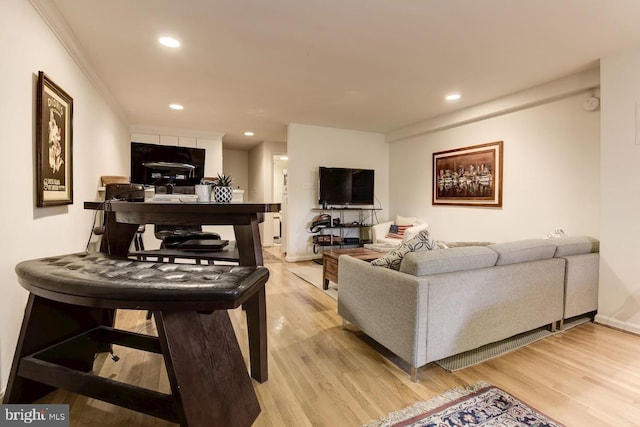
x=373 y=65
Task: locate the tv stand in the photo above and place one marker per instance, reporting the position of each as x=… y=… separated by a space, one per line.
x=346 y=222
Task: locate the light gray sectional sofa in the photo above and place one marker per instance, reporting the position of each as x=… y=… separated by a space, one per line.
x=446 y=301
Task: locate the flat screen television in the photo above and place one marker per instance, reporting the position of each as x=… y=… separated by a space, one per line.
x=345 y=186
x=153 y=164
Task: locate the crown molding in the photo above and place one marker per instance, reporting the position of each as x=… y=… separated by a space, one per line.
x=60 y=28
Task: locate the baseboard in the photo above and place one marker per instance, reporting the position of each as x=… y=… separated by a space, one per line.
x=290 y=258
x=634 y=328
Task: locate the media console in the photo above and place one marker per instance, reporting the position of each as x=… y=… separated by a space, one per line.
x=347 y=227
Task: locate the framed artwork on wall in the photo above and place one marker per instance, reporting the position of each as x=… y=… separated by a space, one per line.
x=469 y=176
x=54 y=142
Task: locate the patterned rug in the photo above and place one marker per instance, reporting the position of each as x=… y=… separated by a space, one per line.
x=480 y=405
x=312 y=274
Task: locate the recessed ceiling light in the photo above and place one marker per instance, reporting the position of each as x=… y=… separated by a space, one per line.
x=452 y=97
x=169 y=42
x=176 y=107
x=248 y=133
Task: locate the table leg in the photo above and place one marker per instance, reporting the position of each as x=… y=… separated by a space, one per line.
x=206 y=369
x=250 y=250
x=118 y=236
x=256 y=310
x=248 y=242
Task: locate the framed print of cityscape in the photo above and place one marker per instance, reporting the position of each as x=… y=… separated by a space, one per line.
x=469 y=176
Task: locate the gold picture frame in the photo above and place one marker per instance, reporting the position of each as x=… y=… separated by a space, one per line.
x=469 y=176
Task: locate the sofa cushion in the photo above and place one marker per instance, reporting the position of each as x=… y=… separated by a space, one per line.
x=411 y=232
x=426 y=263
x=406 y=220
x=421 y=242
x=575 y=245
x=391 y=241
x=524 y=250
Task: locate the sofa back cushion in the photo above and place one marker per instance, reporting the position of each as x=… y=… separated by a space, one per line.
x=448 y=260
x=575 y=245
x=406 y=220
x=524 y=250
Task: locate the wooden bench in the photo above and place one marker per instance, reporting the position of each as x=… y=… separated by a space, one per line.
x=69 y=318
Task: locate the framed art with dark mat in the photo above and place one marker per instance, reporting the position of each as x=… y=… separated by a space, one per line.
x=469 y=176
x=54 y=141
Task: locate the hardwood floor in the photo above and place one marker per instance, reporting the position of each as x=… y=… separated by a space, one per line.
x=322 y=375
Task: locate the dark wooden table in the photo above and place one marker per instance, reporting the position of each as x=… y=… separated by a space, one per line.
x=124 y=217
x=330 y=261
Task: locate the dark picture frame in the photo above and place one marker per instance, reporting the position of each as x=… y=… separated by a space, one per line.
x=469 y=176
x=54 y=144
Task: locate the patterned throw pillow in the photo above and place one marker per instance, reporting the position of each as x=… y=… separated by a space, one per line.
x=555 y=234
x=422 y=242
x=397 y=231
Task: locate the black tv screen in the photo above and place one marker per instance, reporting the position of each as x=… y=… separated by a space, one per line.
x=345 y=186
x=153 y=164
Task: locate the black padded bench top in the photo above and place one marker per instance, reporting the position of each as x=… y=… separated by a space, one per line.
x=105 y=281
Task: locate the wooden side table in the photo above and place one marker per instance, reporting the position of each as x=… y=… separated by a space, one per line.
x=330 y=262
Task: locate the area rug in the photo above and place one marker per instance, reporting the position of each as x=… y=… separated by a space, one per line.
x=270 y=258
x=312 y=274
x=489 y=351
x=480 y=405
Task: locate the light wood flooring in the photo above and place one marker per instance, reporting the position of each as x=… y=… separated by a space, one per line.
x=322 y=375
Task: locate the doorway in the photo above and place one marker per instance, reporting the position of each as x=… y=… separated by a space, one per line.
x=280 y=193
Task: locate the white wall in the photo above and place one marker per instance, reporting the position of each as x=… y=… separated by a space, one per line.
x=551 y=171
x=619 y=298
x=257 y=191
x=261 y=181
x=261 y=170
x=312 y=146
x=100 y=143
x=236 y=164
